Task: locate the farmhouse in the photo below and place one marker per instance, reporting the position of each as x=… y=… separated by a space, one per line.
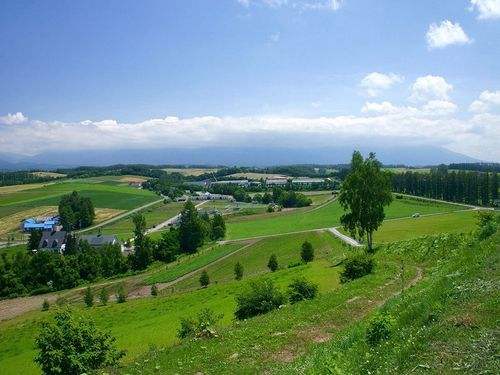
x=100 y=240
x=46 y=223
x=53 y=241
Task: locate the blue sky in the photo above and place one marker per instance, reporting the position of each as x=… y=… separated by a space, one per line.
x=251 y=66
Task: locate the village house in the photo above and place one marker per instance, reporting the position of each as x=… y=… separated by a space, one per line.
x=50 y=223
x=53 y=241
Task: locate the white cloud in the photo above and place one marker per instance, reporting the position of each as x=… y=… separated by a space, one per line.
x=12 y=119
x=374 y=83
x=487 y=100
x=487 y=9
x=445 y=34
x=381 y=122
x=439 y=108
x=429 y=88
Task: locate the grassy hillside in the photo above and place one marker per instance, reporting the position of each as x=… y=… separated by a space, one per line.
x=322 y=217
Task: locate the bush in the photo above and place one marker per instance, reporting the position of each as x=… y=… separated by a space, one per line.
x=238 y=271
x=204 y=279
x=273 y=263
x=486 y=224
x=88 y=298
x=201 y=327
x=45 y=305
x=70 y=345
x=121 y=295
x=379 y=329
x=104 y=296
x=154 y=290
x=261 y=297
x=307 y=252
x=301 y=289
x=356 y=267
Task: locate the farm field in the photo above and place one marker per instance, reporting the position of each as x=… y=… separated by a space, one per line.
x=191 y=171
x=322 y=217
x=154 y=215
x=103 y=195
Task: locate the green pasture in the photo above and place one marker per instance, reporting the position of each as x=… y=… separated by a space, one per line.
x=322 y=217
x=102 y=195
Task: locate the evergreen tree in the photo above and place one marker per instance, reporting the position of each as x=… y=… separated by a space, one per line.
x=34 y=239
x=154 y=290
x=104 y=296
x=217 y=228
x=272 y=264
x=238 y=271
x=143 y=253
x=307 y=252
x=88 y=298
x=204 y=279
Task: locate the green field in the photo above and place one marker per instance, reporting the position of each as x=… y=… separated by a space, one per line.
x=323 y=217
x=159 y=317
x=103 y=195
x=154 y=215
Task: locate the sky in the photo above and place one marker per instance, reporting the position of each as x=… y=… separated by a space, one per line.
x=117 y=74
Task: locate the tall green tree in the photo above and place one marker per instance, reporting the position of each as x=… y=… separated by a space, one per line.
x=364 y=193
x=34 y=239
x=191 y=229
x=217 y=227
x=143 y=248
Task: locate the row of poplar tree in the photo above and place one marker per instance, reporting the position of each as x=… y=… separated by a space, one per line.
x=476 y=188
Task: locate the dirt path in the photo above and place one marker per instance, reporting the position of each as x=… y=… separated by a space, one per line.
x=348 y=240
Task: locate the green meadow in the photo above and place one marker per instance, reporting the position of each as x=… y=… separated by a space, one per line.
x=322 y=217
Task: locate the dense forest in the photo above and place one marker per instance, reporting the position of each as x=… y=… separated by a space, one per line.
x=476 y=188
x=22 y=177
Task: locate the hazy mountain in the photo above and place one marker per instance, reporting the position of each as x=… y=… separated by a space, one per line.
x=244 y=156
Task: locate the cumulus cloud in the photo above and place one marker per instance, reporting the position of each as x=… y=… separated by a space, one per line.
x=374 y=83
x=12 y=119
x=445 y=34
x=383 y=121
x=486 y=9
x=429 y=88
x=487 y=100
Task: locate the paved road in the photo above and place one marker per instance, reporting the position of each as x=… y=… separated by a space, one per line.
x=348 y=240
x=121 y=216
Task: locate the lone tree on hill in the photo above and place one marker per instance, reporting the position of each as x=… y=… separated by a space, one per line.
x=364 y=193
x=142 y=245
x=273 y=263
x=307 y=252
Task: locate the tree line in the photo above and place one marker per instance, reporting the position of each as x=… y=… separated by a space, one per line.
x=23 y=177
x=476 y=188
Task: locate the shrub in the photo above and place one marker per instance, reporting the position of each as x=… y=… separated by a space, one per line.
x=379 y=329
x=121 y=295
x=70 y=345
x=273 y=263
x=486 y=224
x=356 y=267
x=61 y=301
x=201 y=327
x=104 y=296
x=301 y=289
x=307 y=252
x=261 y=297
x=238 y=271
x=45 y=305
x=88 y=297
x=204 y=279
x=154 y=290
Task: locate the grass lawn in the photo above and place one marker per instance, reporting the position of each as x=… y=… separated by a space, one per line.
x=326 y=216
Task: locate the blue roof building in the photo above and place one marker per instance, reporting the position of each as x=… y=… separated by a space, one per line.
x=48 y=223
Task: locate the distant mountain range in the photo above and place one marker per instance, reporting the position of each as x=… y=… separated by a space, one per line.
x=242 y=156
